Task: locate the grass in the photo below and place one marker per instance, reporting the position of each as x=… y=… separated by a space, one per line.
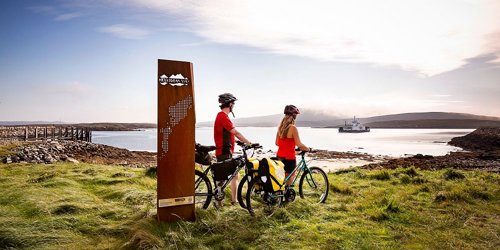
x=7 y=150
x=84 y=206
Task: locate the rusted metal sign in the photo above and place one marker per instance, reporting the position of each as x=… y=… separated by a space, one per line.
x=176 y=125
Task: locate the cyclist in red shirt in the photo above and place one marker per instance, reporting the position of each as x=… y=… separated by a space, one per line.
x=287 y=138
x=224 y=133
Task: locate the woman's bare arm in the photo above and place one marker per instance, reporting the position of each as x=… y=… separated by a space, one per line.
x=296 y=138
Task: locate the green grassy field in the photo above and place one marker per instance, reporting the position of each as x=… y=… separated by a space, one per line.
x=67 y=206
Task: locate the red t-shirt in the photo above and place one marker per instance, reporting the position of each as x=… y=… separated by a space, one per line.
x=224 y=140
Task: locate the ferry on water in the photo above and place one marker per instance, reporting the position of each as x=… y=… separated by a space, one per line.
x=354 y=127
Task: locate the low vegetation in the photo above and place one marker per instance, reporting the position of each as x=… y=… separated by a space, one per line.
x=84 y=206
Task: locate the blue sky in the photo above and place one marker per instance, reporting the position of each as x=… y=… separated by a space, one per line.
x=93 y=61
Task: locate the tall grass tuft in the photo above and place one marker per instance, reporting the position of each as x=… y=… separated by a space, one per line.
x=411 y=171
x=345 y=171
x=43 y=177
x=341 y=188
x=381 y=175
x=452 y=174
x=66 y=209
x=151 y=172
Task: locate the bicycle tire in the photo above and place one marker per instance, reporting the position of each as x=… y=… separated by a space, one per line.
x=242 y=197
x=202 y=188
x=309 y=192
x=257 y=201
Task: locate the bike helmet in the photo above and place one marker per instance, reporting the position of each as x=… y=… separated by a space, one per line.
x=226 y=98
x=291 y=110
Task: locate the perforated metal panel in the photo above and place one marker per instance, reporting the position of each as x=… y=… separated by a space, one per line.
x=176 y=125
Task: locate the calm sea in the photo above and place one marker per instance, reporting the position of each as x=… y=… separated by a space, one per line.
x=393 y=142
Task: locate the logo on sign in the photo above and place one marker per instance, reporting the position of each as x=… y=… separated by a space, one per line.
x=174 y=80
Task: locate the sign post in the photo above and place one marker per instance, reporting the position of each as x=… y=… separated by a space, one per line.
x=176 y=142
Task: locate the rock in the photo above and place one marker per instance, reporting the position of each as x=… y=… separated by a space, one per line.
x=72 y=160
x=15 y=159
x=21 y=155
x=63 y=157
x=487 y=139
x=49 y=160
x=7 y=160
x=420 y=156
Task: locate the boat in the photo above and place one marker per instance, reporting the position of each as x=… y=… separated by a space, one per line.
x=354 y=127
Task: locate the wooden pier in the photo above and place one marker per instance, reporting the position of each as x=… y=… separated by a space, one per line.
x=47 y=133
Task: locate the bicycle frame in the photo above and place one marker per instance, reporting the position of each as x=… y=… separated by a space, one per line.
x=301 y=168
x=226 y=182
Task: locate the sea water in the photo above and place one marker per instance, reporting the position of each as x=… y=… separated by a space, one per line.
x=392 y=142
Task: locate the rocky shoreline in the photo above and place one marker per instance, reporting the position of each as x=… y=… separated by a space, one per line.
x=484 y=154
x=482 y=139
x=77 y=151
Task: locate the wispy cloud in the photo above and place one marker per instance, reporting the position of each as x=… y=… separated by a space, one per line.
x=193 y=44
x=44 y=9
x=125 y=31
x=68 y=16
x=425 y=36
x=73 y=89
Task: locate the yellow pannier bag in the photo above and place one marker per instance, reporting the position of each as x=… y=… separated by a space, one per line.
x=253 y=163
x=272 y=174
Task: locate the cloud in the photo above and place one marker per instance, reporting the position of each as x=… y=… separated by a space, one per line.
x=125 y=31
x=43 y=9
x=68 y=16
x=425 y=36
x=73 y=89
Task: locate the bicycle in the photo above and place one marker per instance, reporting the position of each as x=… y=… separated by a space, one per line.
x=203 y=186
x=313 y=187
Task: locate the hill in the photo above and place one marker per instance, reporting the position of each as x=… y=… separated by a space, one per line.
x=22 y=123
x=311 y=118
x=435 y=123
x=102 y=126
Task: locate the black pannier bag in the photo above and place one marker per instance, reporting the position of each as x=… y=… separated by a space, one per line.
x=202 y=155
x=223 y=169
x=202 y=158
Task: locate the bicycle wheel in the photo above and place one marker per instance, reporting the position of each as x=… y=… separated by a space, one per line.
x=261 y=202
x=202 y=190
x=242 y=190
x=313 y=185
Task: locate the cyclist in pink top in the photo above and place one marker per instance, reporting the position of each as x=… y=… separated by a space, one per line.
x=287 y=138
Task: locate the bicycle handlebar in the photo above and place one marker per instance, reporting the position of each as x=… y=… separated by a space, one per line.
x=303 y=153
x=248 y=146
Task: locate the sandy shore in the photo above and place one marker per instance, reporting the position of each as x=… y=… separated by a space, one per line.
x=332 y=161
x=332 y=165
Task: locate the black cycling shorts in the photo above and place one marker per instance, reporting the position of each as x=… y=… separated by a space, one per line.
x=289 y=165
x=224 y=157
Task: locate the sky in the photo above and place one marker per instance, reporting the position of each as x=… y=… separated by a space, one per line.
x=96 y=60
